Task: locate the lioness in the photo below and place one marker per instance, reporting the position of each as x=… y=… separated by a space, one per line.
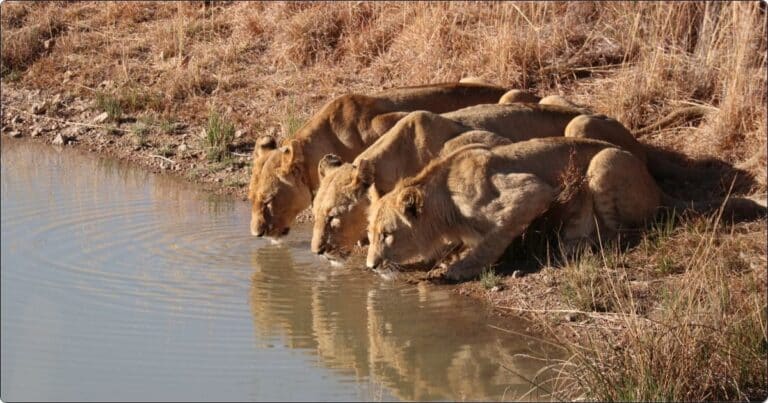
x=341 y=202
x=483 y=198
x=282 y=180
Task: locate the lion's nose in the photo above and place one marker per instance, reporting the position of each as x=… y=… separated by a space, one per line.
x=258 y=230
x=372 y=262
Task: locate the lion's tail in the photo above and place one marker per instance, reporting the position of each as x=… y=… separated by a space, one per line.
x=729 y=208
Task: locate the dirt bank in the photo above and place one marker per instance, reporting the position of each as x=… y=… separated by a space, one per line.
x=678 y=315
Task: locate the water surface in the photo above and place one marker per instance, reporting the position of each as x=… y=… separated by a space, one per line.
x=119 y=284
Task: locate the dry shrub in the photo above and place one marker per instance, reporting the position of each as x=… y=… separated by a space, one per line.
x=14 y=14
x=309 y=36
x=705 y=339
x=184 y=82
x=23 y=46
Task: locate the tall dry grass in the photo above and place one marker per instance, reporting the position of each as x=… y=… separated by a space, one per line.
x=701 y=335
x=271 y=65
x=634 y=61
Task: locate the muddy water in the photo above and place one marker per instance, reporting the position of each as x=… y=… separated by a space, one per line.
x=118 y=284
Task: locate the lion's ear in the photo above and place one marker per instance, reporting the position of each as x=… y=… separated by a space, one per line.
x=292 y=156
x=263 y=144
x=364 y=173
x=411 y=201
x=328 y=163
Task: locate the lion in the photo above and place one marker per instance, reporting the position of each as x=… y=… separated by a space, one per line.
x=521 y=96
x=518 y=96
x=601 y=127
x=284 y=179
x=341 y=202
x=474 y=80
x=482 y=198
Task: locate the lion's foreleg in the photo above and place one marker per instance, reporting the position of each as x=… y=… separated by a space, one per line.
x=522 y=198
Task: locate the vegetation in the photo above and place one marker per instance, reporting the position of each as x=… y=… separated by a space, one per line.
x=678 y=315
x=219 y=134
x=490 y=279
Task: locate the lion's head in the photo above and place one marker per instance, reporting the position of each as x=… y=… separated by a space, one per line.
x=340 y=206
x=279 y=188
x=400 y=229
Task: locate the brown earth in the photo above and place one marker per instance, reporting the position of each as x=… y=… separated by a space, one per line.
x=140 y=81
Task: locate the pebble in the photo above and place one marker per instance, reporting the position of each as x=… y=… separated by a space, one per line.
x=573 y=316
x=38 y=108
x=517 y=274
x=182 y=148
x=101 y=118
x=61 y=139
x=15 y=133
x=497 y=288
x=37 y=131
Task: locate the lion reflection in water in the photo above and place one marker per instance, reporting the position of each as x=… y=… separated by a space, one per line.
x=381 y=331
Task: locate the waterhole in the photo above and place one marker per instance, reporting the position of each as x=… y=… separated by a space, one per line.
x=120 y=284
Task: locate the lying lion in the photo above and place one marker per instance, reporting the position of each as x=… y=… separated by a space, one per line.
x=283 y=180
x=341 y=203
x=483 y=198
x=601 y=127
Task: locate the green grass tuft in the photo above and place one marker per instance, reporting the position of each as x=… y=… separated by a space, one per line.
x=219 y=134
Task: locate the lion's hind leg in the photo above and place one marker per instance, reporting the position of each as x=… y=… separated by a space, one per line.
x=623 y=192
x=520 y=199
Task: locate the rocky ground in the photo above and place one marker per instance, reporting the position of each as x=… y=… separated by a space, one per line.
x=177 y=147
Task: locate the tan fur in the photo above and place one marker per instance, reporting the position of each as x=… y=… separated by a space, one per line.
x=601 y=127
x=474 y=80
x=341 y=202
x=561 y=101
x=482 y=199
x=283 y=180
x=518 y=96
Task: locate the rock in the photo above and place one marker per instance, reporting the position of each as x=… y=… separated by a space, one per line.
x=39 y=108
x=101 y=118
x=517 y=274
x=56 y=102
x=179 y=126
x=36 y=131
x=573 y=317
x=15 y=134
x=73 y=131
x=61 y=139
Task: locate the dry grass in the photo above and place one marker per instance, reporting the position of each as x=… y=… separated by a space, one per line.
x=271 y=65
x=699 y=332
x=636 y=62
